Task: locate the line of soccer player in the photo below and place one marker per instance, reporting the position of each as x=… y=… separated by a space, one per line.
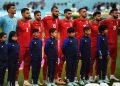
x=64 y=40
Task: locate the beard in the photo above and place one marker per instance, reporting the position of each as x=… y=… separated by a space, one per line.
x=28 y=18
x=38 y=19
x=115 y=17
x=55 y=16
x=98 y=20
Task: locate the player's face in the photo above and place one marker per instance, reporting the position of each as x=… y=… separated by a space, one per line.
x=54 y=34
x=4 y=38
x=12 y=10
x=88 y=32
x=68 y=15
x=36 y=34
x=72 y=34
x=98 y=17
x=55 y=13
x=115 y=14
x=14 y=38
x=105 y=31
x=83 y=13
x=27 y=15
x=38 y=16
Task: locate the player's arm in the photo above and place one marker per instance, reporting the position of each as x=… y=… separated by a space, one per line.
x=64 y=45
x=82 y=42
x=99 y=48
x=1 y=22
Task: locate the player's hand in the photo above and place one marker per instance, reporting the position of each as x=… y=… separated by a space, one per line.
x=100 y=57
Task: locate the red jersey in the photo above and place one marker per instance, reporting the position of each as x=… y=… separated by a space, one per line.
x=79 y=24
x=112 y=30
x=63 y=26
x=37 y=25
x=94 y=33
x=49 y=22
x=23 y=32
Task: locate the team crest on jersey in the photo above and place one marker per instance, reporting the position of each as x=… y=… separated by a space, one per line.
x=114 y=27
x=103 y=39
x=54 y=25
x=84 y=25
x=85 y=40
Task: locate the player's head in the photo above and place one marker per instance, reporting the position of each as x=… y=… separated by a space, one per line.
x=103 y=29
x=37 y=15
x=87 y=31
x=71 y=32
x=97 y=16
x=114 y=13
x=67 y=13
x=83 y=12
x=3 y=37
x=53 y=32
x=26 y=13
x=12 y=36
x=11 y=8
x=55 y=11
x=36 y=33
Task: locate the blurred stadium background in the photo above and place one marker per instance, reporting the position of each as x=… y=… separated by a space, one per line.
x=44 y=6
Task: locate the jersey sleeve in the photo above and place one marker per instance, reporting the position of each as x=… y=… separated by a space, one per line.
x=98 y=46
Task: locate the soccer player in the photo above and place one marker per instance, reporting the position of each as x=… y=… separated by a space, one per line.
x=85 y=52
x=70 y=51
x=64 y=24
x=79 y=24
x=36 y=55
x=112 y=35
x=8 y=22
x=23 y=32
x=37 y=23
x=94 y=33
x=52 y=55
x=49 y=22
x=13 y=57
x=102 y=53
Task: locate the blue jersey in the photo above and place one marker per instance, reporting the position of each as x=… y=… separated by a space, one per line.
x=102 y=45
x=70 y=48
x=36 y=48
x=3 y=51
x=13 y=50
x=8 y=24
x=51 y=48
x=85 y=47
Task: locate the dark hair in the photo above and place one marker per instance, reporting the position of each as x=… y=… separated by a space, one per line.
x=35 y=30
x=111 y=11
x=66 y=10
x=82 y=8
x=23 y=10
x=86 y=28
x=52 y=30
x=70 y=30
x=96 y=13
x=9 y=5
x=2 y=34
x=12 y=34
x=53 y=8
x=36 y=12
x=102 y=27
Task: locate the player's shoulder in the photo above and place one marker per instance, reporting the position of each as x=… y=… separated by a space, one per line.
x=47 y=17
